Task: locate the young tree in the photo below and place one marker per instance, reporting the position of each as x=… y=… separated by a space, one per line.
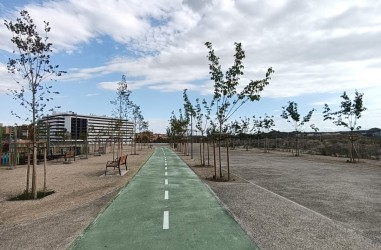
x=143 y=126
x=347 y=116
x=227 y=97
x=265 y=124
x=122 y=105
x=239 y=128
x=291 y=114
x=202 y=124
x=201 y=119
x=30 y=70
x=138 y=118
x=177 y=126
x=189 y=114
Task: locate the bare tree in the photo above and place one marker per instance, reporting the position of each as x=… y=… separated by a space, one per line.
x=122 y=105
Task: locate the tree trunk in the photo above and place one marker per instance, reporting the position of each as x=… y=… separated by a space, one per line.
x=135 y=139
x=87 y=148
x=201 y=154
x=34 y=172
x=214 y=157
x=352 y=152
x=219 y=157
x=28 y=172
x=34 y=142
x=207 y=146
x=265 y=144
x=227 y=158
x=45 y=169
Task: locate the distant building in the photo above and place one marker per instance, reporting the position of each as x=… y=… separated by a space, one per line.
x=8 y=132
x=72 y=126
x=149 y=136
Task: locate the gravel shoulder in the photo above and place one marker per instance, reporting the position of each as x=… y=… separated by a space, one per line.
x=307 y=202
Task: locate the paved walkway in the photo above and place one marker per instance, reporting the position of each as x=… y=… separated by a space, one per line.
x=166 y=206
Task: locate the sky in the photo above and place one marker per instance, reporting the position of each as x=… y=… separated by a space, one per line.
x=318 y=50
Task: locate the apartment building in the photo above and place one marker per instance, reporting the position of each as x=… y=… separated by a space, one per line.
x=72 y=126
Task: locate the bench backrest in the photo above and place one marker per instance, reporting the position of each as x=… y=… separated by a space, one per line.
x=123 y=159
x=69 y=153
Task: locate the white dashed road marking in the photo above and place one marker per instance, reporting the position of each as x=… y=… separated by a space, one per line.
x=166 y=220
x=166 y=195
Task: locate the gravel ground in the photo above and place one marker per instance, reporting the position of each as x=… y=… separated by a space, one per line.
x=81 y=192
x=307 y=202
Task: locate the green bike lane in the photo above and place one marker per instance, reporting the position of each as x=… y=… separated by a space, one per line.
x=165 y=206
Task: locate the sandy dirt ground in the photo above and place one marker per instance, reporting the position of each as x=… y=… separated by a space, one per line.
x=81 y=192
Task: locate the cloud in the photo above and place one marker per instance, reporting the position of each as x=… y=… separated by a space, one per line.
x=314 y=47
x=6 y=79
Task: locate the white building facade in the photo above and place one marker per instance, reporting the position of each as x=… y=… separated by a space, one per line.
x=93 y=129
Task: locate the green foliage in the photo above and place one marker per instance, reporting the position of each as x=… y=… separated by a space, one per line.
x=144 y=126
x=32 y=65
x=177 y=126
x=202 y=119
x=201 y=111
x=136 y=115
x=188 y=107
x=122 y=102
x=226 y=96
x=237 y=127
x=349 y=113
x=291 y=114
x=30 y=69
x=265 y=123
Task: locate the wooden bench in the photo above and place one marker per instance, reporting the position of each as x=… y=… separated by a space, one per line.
x=69 y=155
x=117 y=163
x=99 y=151
x=102 y=150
